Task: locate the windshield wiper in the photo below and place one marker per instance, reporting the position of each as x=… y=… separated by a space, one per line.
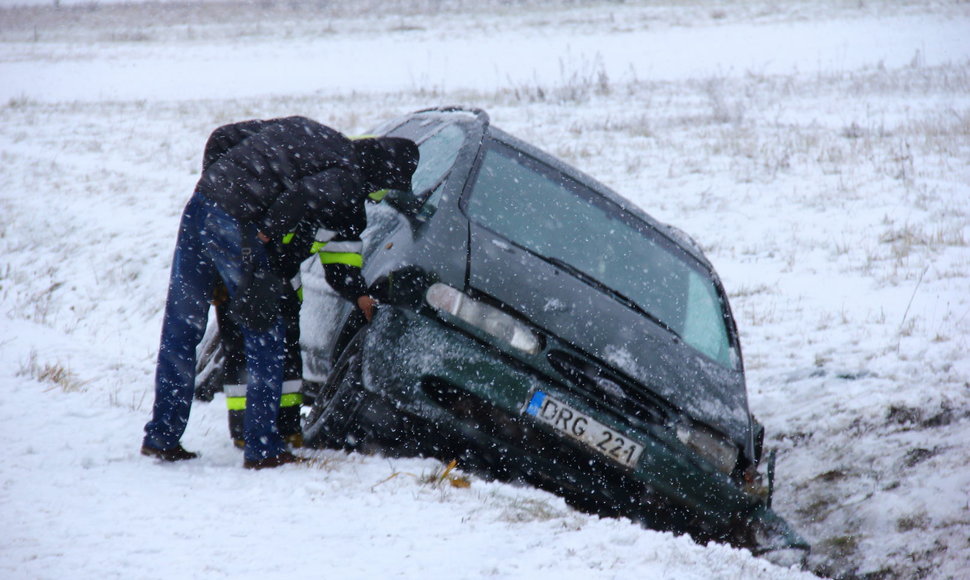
x=616 y=294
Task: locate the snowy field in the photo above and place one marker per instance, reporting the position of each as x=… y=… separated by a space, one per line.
x=818 y=151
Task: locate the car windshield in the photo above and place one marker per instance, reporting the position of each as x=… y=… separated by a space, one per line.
x=561 y=220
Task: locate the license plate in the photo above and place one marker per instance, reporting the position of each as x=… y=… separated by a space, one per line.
x=583 y=428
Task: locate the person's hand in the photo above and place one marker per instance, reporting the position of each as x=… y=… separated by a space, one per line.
x=262 y=237
x=367 y=306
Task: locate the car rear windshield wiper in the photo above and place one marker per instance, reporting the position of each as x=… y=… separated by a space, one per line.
x=616 y=294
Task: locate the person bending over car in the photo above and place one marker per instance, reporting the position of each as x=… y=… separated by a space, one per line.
x=264 y=183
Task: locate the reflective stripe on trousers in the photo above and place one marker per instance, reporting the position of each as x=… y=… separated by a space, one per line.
x=287 y=419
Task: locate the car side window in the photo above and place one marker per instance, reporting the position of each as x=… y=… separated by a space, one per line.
x=438 y=155
x=704 y=326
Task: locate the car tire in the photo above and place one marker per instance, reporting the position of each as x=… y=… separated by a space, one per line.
x=333 y=420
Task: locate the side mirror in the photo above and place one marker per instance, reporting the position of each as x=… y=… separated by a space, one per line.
x=404 y=287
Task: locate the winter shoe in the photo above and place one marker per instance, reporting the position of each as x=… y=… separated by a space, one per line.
x=275 y=461
x=177 y=453
x=294 y=440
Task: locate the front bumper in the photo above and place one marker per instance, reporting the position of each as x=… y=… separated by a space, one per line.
x=459 y=397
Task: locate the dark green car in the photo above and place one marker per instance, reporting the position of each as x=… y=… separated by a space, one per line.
x=538 y=327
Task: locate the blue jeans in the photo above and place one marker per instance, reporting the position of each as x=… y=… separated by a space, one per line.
x=210 y=247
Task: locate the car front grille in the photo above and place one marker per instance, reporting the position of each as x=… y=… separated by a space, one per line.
x=607 y=388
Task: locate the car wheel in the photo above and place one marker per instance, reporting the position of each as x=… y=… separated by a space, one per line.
x=333 y=417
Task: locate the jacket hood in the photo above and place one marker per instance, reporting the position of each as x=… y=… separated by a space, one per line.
x=386 y=162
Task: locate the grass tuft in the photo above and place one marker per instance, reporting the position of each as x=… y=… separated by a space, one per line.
x=58 y=375
x=444 y=474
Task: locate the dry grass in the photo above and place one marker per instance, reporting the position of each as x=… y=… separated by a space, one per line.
x=56 y=374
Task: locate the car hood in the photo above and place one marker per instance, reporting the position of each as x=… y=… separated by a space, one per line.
x=598 y=325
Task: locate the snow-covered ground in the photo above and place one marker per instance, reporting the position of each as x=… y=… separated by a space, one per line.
x=818 y=151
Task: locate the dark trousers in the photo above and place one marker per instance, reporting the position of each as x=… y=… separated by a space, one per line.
x=210 y=247
x=235 y=376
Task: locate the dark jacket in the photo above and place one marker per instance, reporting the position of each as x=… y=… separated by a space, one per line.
x=290 y=175
x=276 y=172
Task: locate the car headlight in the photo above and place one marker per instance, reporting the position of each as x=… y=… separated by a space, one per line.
x=482 y=316
x=721 y=453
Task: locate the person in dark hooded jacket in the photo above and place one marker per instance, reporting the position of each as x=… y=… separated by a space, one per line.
x=262 y=183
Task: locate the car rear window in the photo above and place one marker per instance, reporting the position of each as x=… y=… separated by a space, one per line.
x=554 y=216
